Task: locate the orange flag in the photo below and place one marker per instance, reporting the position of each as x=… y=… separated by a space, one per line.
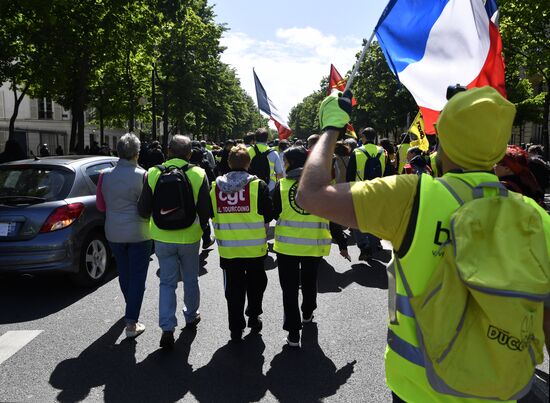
x=335 y=81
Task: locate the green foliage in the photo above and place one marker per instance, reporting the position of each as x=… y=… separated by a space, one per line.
x=525 y=32
x=99 y=53
x=304 y=119
x=382 y=102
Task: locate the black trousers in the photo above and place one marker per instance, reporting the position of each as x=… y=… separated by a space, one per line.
x=243 y=279
x=293 y=271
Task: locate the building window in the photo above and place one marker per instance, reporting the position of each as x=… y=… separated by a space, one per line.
x=45 y=108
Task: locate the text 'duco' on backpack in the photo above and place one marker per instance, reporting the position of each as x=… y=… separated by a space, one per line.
x=479 y=319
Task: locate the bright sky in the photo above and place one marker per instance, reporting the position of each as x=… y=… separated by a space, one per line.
x=291 y=43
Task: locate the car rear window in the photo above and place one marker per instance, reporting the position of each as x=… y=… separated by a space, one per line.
x=48 y=183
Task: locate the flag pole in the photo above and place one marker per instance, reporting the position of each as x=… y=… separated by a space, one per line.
x=359 y=61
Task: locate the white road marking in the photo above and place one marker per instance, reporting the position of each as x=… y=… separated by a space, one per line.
x=14 y=340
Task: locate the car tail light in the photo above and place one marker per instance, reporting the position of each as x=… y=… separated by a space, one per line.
x=62 y=217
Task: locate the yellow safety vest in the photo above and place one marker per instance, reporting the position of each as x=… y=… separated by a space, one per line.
x=188 y=235
x=361 y=159
x=263 y=148
x=419 y=257
x=434 y=164
x=298 y=233
x=402 y=150
x=239 y=228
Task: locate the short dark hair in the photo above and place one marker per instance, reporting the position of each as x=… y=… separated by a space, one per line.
x=369 y=133
x=249 y=137
x=296 y=157
x=261 y=135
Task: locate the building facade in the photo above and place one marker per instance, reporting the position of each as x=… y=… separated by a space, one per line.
x=43 y=121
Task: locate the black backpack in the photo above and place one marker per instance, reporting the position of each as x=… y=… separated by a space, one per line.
x=373 y=166
x=173 y=201
x=259 y=165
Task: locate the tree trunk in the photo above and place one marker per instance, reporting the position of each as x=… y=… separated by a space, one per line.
x=164 y=118
x=72 y=142
x=131 y=103
x=545 y=122
x=16 y=104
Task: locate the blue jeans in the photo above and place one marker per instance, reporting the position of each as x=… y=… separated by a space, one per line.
x=178 y=261
x=132 y=262
x=366 y=241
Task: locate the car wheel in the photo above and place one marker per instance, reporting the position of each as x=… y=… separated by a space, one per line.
x=95 y=257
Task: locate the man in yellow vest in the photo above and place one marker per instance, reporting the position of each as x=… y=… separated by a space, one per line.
x=301 y=240
x=276 y=170
x=402 y=150
x=241 y=213
x=366 y=162
x=413 y=212
x=176 y=242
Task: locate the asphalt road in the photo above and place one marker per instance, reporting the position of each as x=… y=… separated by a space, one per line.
x=78 y=351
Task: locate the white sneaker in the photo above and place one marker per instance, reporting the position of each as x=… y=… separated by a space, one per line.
x=139 y=329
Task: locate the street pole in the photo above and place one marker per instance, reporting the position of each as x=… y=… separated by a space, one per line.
x=359 y=61
x=153 y=103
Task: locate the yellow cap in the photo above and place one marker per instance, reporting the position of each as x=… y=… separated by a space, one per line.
x=474 y=128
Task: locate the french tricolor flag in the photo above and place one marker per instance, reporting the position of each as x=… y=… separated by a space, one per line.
x=431 y=44
x=266 y=105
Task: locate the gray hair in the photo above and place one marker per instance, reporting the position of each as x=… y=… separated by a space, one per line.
x=128 y=146
x=180 y=146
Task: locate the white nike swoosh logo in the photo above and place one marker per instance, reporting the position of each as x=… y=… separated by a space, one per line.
x=164 y=212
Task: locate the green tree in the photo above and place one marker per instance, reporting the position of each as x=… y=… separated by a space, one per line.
x=525 y=31
x=382 y=102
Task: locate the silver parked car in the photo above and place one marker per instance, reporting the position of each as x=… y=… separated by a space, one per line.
x=48 y=219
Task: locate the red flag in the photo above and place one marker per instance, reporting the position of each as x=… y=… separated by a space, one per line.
x=335 y=81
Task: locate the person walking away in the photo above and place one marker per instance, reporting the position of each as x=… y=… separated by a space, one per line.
x=241 y=212
x=223 y=166
x=301 y=240
x=539 y=167
x=414 y=213
x=416 y=163
x=265 y=162
x=514 y=173
x=209 y=155
x=155 y=156
x=12 y=152
x=391 y=165
x=342 y=154
x=402 y=150
x=176 y=198
x=117 y=194
x=366 y=163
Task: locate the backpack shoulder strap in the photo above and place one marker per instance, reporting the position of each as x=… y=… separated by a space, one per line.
x=256 y=149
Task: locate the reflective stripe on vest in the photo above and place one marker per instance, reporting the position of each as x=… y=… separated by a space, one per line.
x=239 y=226
x=436 y=205
x=242 y=242
x=298 y=233
x=303 y=224
x=303 y=241
x=239 y=234
x=188 y=235
x=361 y=159
x=405 y=349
